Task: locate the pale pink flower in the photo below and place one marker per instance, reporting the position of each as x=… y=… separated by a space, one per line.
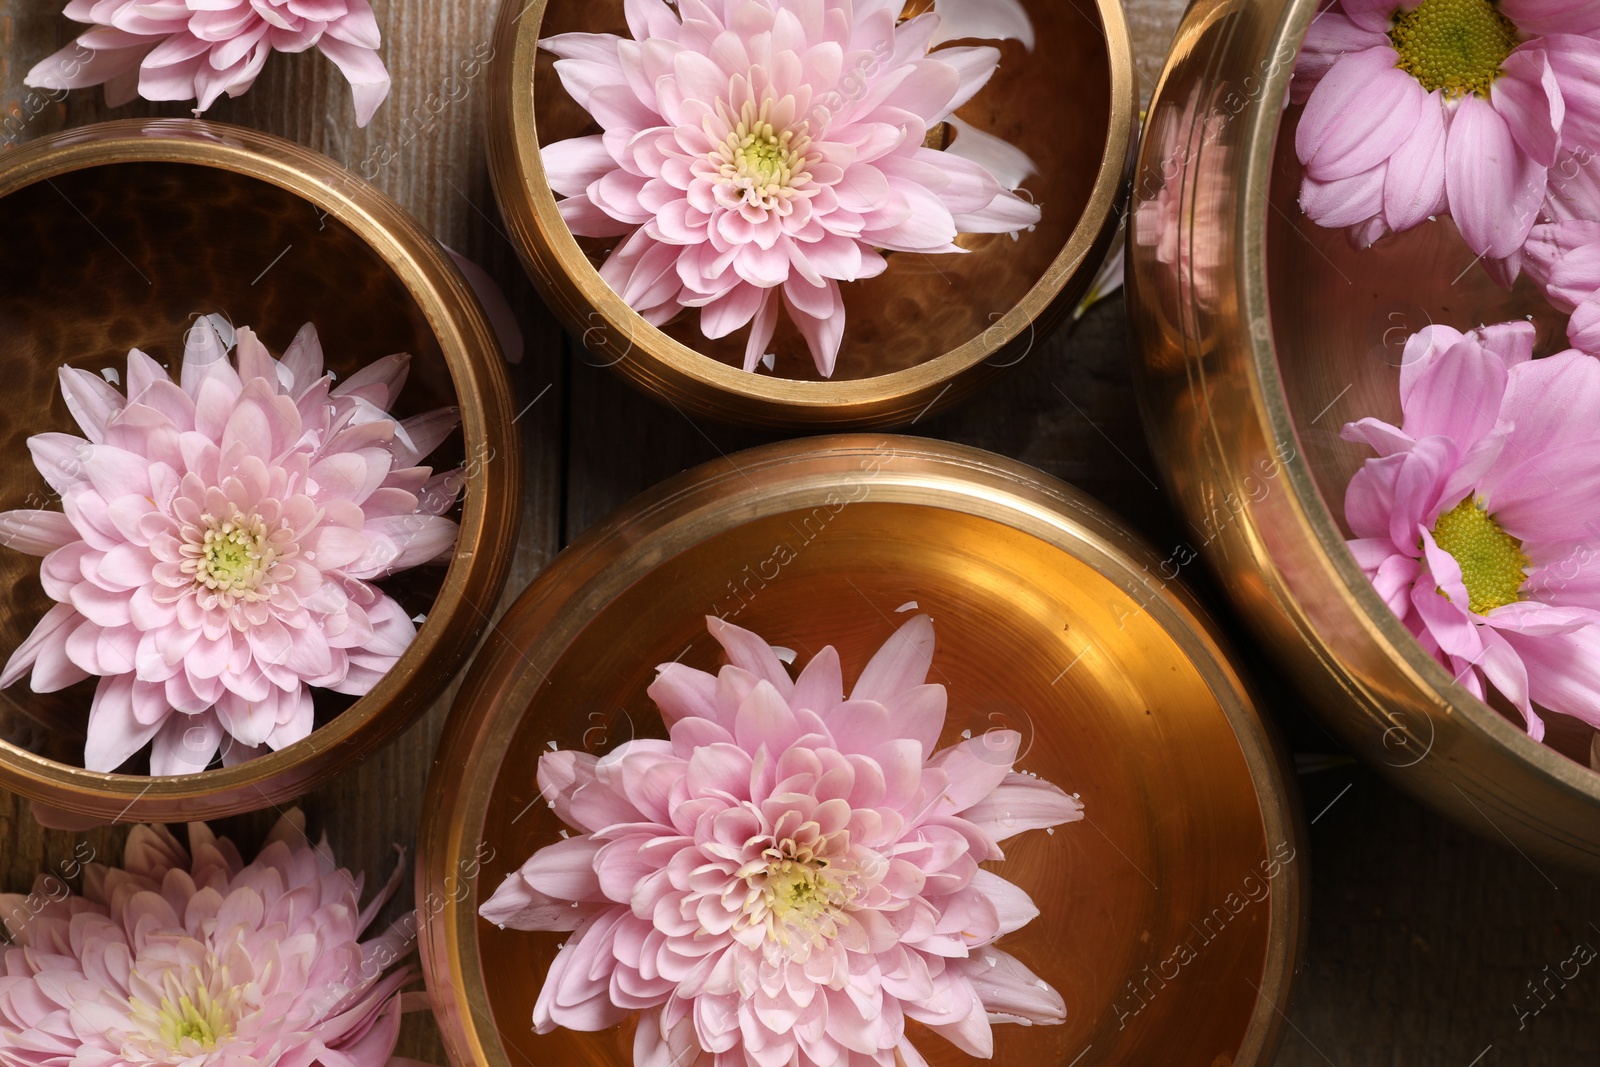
x=173 y=961
x=199 y=49
x=1479 y=522
x=764 y=149
x=218 y=541
x=793 y=875
x=1418 y=108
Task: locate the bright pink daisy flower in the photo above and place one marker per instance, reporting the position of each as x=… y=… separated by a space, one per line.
x=793 y=875
x=1562 y=253
x=1424 y=107
x=758 y=149
x=217 y=544
x=199 y=49
x=1479 y=522
x=173 y=961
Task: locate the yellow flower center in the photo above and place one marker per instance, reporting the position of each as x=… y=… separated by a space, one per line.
x=1455 y=45
x=761 y=164
x=197 y=1013
x=1493 y=566
x=232 y=556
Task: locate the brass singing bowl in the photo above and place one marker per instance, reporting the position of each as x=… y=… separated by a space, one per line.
x=1261 y=334
x=1051 y=619
x=920 y=337
x=116 y=236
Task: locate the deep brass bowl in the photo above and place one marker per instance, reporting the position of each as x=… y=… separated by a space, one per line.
x=1261 y=335
x=115 y=236
x=920 y=337
x=1051 y=619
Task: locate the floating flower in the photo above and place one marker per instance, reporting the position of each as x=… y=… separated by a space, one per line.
x=793 y=875
x=203 y=962
x=1423 y=107
x=1562 y=253
x=1479 y=522
x=200 y=49
x=763 y=148
x=218 y=541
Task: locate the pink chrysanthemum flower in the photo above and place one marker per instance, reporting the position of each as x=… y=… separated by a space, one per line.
x=199 y=49
x=170 y=961
x=758 y=148
x=218 y=541
x=1423 y=107
x=793 y=875
x=1479 y=522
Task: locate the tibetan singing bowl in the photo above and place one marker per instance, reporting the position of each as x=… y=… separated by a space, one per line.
x=116 y=236
x=1261 y=336
x=1171 y=915
x=918 y=338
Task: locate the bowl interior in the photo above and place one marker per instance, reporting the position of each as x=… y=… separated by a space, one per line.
x=1155 y=909
x=107 y=258
x=922 y=306
x=1341 y=317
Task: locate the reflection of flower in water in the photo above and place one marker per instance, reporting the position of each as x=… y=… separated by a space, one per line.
x=792 y=875
x=1182 y=201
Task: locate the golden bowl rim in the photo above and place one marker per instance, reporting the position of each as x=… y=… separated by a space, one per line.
x=680 y=375
x=1278 y=423
x=608 y=558
x=490 y=516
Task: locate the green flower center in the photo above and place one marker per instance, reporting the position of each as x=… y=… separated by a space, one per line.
x=1455 y=45
x=1493 y=566
x=205 y=1022
x=233 y=556
x=760 y=164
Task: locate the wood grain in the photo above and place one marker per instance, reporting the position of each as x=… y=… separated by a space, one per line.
x=1423 y=940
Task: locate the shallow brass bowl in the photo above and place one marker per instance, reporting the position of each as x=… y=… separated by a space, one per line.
x=1262 y=335
x=929 y=331
x=1051 y=620
x=115 y=236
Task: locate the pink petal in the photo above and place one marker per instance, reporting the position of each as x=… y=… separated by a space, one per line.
x=976 y=767
x=901 y=663
x=44 y=651
x=1364 y=110
x=1494 y=188
x=1413 y=181
x=1527 y=96
x=38 y=533
x=520 y=906
x=1008 y=988
x=1562 y=671
x=1344 y=201
x=368 y=77
x=114 y=734
x=751 y=653
x=1020 y=803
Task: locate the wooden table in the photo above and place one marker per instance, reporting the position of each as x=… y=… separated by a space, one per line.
x=1425 y=942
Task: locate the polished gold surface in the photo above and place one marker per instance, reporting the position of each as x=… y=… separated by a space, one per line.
x=116 y=236
x=918 y=338
x=1261 y=335
x=1051 y=620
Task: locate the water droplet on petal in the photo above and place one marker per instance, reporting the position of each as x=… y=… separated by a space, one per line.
x=501 y=925
x=967 y=734
x=551 y=745
x=1051 y=830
